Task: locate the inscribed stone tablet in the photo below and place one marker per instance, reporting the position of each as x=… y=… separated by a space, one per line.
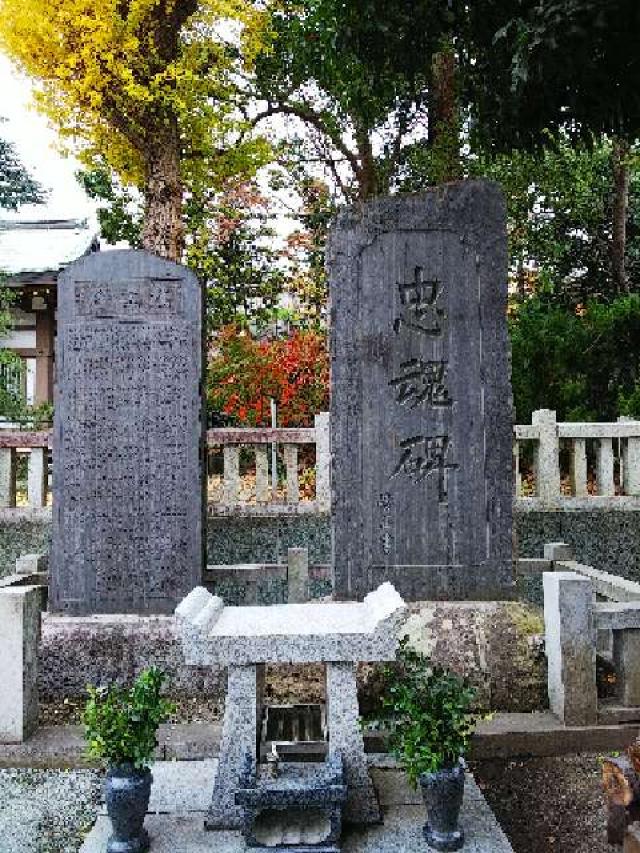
x=127 y=518
x=421 y=408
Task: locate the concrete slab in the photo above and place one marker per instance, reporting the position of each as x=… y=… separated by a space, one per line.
x=180 y=787
x=62 y=747
x=400 y=833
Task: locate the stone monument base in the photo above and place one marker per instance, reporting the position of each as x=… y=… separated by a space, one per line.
x=178 y=800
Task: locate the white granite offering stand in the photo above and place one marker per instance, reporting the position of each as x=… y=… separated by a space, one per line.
x=245 y=638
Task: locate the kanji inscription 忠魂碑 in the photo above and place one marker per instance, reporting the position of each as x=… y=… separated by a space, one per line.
x=421 y=399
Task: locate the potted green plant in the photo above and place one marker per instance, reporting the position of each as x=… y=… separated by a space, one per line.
x=121 y=726
x=427 y=714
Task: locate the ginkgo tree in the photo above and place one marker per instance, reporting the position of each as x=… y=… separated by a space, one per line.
x=145 y=86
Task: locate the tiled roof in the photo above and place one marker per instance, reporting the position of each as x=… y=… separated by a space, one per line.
x=43 y=245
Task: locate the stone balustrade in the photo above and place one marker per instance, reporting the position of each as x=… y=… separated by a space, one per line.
x=35 y=446
x=577 y=465
x=264 y=500
x=564 y=465
x=587 y=613
x=261 y=442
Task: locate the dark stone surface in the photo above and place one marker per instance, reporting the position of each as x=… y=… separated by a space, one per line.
x=298 y=786
x=266 y=539
x=126 y=793
x=421 y=406
x=607 y=539
x=127 y=517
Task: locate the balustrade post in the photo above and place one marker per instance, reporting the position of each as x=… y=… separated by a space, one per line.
x=38 y=476
x=571 y=647
x=516 y=468
x=291 y=464
x=231 y=491
x=579 y=468
x=262 y=474
x=631 y=461
x=323 y=462
x=547 y=458
x=7 y=476
x=604 y=467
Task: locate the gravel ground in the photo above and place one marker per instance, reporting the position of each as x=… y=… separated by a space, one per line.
x=545 y=805
x=548 y=805
x=46 y=811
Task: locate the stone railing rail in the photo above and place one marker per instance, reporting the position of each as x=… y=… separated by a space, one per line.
x=36 y=446
x=599 y=449
x=260 y=440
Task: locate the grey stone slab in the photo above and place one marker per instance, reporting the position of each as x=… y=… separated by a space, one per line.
x=180 y=787
x=421 y=404
x=401 y=832
x=127 y=517
x=290 y=633
x=30 y=564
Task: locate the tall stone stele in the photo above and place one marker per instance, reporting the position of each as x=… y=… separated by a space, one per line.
x=421 y=405
x=128 y=500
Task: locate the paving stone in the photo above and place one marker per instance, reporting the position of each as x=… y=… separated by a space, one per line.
x=401 y=832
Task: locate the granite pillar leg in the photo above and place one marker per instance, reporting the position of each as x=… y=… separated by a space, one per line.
x=345 y=737
x=323 y=462
x=547 y=456
x=239 y=736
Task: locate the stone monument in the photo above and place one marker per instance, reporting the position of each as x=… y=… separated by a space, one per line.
x=421 y=406
x=245 y=638
x=128 y=502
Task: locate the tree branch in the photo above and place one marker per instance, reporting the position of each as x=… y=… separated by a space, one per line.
x=312 y=118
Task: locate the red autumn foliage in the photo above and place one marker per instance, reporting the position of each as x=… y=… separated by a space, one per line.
x=243 y=374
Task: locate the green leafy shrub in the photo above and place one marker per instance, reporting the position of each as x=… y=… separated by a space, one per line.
x=121 y=723
x=583 y=363
x=426 y=713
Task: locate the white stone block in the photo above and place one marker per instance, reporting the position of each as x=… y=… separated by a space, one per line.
x=30 y=564
x=571 y=647
x=19 y=634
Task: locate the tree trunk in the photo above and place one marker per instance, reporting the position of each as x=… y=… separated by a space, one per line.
x=620 y=166
x=163 y=230
x=444 y=117
x=367 y=178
